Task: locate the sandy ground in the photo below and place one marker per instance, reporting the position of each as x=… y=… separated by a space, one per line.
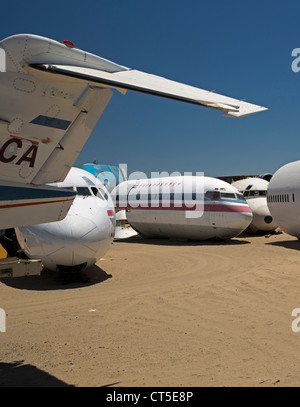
x=160 y=313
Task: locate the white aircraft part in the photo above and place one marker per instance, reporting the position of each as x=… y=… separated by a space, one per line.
x=27 y=204
x=256 y=191
x=262 y=219
x=14 y=267
x=284 y=198
x=132 y=79
x=124 y=232
x=91 y=104
x=82 y=237
x=223 y=218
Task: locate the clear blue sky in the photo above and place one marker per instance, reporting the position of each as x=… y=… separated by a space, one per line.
x=240 y=49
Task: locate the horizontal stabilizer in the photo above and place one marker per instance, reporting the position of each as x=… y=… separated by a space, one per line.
x=52 y=97
x=134 y=80
x=22 y=205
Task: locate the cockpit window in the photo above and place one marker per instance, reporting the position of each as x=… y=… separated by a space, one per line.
x=241 y=197
x=212 y=195
x=255 y=193
x=96 y=192
x=99 y=193
x=103 y=193
x=83 y=191
x=208 y=194
x=87 y=181
x=228 y=195
x=215 y=195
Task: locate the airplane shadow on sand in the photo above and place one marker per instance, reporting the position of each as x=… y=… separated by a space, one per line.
x=18 y=374
x=49 y=281
x=288 y=244
x=179 y=242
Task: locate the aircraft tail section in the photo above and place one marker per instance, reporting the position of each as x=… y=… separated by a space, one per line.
x=45 y=120
x=52 y=95
x=138 y=81
x=91 y=105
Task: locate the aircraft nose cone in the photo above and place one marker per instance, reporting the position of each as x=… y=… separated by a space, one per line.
x=87 y=239
x=238 y=223
x=78 y=241
x=262 y=220
x=83 y=228
x=245 y=219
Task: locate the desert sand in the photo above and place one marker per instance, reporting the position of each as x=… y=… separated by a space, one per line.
x=160 y=313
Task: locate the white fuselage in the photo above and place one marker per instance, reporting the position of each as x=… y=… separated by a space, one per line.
x=85 y=234
x=255 y=193
x=284 y=198
x=217 y=211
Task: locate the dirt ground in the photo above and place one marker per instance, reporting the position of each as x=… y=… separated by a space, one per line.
x=160 y=313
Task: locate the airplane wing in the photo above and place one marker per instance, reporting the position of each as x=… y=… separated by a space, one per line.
x=52 y=96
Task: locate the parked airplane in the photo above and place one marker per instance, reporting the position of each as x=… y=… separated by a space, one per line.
x=255 y=192
x=189 y=207
x=83 y=236
x=109 y=175
x=284 y=197
x=52 y=95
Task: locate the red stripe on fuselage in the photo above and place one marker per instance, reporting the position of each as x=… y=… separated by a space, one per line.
x=206 y=208
x=32 y=203
x=226 y=208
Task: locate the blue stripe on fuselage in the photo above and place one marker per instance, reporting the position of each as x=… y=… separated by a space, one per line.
x=13 y=193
